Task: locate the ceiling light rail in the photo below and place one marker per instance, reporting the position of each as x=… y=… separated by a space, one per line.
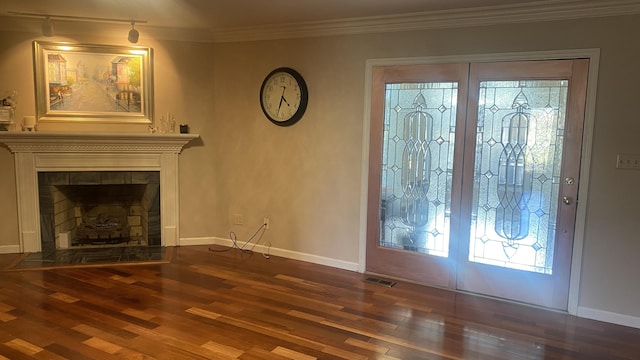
x=47 y=24
x=78 y=18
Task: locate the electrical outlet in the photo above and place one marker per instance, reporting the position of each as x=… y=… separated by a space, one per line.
x=238 y=219
x=266 y=223
x=628 y=161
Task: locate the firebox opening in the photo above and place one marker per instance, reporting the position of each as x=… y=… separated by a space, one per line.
x=99 y=208
x=105 y=214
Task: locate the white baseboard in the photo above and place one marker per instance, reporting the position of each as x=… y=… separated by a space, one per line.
x=197 y=241
x=321 y=260
x=9 y=249
x=610 y=317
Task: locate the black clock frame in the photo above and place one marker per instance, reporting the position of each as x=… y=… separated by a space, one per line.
x=304 y=96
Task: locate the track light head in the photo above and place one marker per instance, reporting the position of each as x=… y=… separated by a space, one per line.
x=133 y=34
x=47 y=27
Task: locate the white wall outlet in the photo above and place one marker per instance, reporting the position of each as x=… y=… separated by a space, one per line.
x=238 y=219
x=266 y=223
x=628 y=161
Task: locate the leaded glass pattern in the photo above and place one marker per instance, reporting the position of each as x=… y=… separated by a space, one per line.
x=516 y=173
x=417 y=166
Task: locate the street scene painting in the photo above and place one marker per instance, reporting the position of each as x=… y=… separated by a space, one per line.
x=92 y=82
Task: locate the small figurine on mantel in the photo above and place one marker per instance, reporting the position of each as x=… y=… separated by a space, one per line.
x=8 y=104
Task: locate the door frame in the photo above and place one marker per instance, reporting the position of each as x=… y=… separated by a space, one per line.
x=592 y=54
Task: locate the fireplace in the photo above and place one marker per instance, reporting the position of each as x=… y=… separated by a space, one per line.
x=99 y=208
x=38 y=155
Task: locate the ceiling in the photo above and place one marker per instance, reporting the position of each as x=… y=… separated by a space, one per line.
x=240 y=16
x=222 y=14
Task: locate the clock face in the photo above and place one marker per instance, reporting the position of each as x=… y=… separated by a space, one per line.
x=283 y=96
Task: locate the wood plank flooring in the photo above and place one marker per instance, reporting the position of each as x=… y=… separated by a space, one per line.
x=230 y=305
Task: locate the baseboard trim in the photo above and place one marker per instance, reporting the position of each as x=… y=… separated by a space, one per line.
x=295 y=255
x=197 y=241
x=9 y=249
x=610 y=317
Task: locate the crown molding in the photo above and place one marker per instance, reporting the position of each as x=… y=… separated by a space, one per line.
x=540 y=11
x=529 y=12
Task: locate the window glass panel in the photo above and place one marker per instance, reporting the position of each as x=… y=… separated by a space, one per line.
x=417 y=166
x=517 y=173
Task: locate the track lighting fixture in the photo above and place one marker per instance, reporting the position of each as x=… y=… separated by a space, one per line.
x=47 y=23
x=133 y=33
x=47 y=27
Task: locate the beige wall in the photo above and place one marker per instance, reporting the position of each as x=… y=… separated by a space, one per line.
x=306 y=178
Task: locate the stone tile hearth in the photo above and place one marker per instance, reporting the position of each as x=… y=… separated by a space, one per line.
x=93 y=256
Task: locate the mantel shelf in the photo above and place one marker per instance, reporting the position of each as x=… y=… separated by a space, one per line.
x=55 y=142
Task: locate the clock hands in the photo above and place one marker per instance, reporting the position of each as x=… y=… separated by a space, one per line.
x=282 y=99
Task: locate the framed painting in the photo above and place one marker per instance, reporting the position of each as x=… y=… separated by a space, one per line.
x=93 y=83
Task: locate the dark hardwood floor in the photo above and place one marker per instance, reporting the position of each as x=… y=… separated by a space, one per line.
x=230 y=305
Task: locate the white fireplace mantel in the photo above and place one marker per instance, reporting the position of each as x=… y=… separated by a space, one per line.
x=47 y=151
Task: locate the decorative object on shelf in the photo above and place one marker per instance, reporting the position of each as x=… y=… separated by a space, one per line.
x=29 y=123
x=166 y=124
x=8 y=104
x=93 y=83
x=284 y=96
x=184 y=129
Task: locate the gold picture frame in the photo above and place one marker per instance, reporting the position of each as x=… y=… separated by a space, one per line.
x=93 y=83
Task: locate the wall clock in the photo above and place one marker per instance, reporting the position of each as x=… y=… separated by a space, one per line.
x=284 y=96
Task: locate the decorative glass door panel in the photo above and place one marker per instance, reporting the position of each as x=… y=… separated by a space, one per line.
x=521 y=176
x=414 y=182
x=417 y=166
x=520 y=134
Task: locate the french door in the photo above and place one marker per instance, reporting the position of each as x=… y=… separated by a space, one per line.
x=474 y=173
